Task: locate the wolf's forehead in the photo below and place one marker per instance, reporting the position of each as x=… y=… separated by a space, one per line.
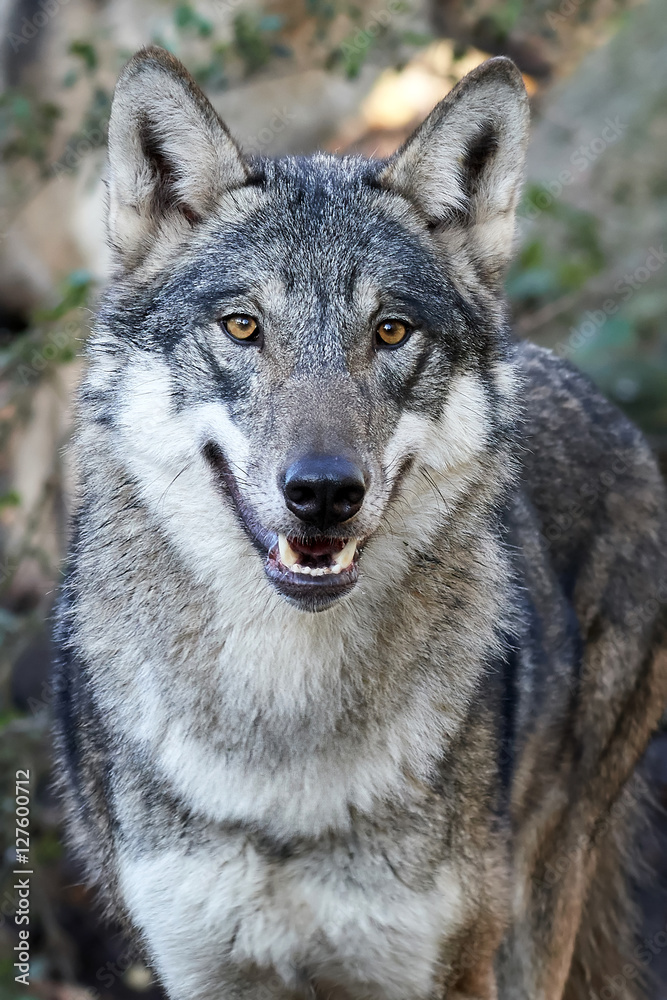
x=314 y=227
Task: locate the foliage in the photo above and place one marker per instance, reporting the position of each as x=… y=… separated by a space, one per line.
x=26 y=127
x=564 y=291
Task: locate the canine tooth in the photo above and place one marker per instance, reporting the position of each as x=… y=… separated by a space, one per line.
x=346 y=555
x=288 y=556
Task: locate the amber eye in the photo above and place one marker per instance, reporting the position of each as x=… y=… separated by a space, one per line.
x=241 y=327
x=391 y=333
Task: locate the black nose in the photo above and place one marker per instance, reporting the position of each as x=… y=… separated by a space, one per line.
x=324 y=489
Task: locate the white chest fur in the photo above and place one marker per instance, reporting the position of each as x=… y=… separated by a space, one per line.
x=350 y=921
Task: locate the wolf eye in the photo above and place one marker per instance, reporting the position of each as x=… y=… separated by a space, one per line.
x=241 y=327
x=391 y=333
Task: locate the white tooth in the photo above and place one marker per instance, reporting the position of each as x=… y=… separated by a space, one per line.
x=336 y=569
x=288 y=556
x=346 y=555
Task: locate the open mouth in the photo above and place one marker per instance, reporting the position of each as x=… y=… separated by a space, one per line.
x=321 y=557
x=314 y=571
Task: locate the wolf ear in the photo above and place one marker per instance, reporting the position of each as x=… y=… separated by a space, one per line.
x=463 y=166
x=170 y=155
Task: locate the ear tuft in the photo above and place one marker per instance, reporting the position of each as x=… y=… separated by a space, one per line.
x=478 y=154
x=462 y=168
x=171 y=158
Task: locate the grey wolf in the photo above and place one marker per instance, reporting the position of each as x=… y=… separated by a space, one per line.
x=362 y=634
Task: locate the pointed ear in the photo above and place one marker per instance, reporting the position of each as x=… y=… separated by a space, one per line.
x=170 y=156
x=463 y=166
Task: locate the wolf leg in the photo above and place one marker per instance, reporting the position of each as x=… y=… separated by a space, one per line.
x=535 y=958
x=477 y=985
x=579 y=863
x=205 y=932
x=473 y=976
x=575 y=933
x=607 y=956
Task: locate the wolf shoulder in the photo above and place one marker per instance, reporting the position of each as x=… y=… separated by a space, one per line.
x=586 y=468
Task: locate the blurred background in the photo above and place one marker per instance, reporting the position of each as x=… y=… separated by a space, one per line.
x=293 y=76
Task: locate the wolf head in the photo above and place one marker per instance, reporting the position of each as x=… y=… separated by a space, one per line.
x=303 y=363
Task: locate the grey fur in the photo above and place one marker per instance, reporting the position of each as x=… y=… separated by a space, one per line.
x=367 y=802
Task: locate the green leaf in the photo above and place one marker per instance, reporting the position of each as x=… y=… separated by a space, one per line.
x=10 y=499
x=250 y=43
x=86 y=52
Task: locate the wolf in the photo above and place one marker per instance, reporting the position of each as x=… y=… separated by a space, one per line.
x=362 y=633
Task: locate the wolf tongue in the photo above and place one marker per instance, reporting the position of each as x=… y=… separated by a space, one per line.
x=318 y=547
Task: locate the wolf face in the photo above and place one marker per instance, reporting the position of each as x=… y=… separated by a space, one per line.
x=299 y=356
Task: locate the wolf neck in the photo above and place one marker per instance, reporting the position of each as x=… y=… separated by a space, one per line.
x=242 y=702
